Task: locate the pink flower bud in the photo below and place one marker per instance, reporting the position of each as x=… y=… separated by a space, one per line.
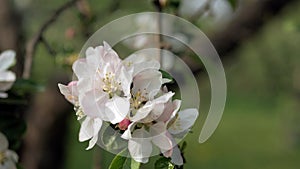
x=123 y=125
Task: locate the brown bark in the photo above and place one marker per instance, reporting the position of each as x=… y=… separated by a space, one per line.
x=10 y=32
x=47 y=123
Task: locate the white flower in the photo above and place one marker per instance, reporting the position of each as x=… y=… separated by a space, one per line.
x=70 y=92
x=7 y=78
x=90 y=127
x=103 y=84
x=160 y=132
x=8 y=158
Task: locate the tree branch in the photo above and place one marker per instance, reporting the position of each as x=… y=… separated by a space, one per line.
x=38 y=37
x=250 y=19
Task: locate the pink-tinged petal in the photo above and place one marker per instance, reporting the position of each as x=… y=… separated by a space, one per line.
x=7 y=58
x=81 y=69
x=159 y=136
x=171 y=108
x=148 y=82
x=93 y=104
x=184 y=121
x=70 y=92
x=116 y=109
x=140 y=146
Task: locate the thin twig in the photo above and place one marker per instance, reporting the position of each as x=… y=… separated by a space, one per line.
x=159 y=8
x=48 y=47
x=38 y=37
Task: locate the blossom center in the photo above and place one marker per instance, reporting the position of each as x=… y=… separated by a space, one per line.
x=137 y=100
x=2 y=157
x=110 y=85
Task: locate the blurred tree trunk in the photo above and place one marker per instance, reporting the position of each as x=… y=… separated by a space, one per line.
x=11 y=32
x=47 y=124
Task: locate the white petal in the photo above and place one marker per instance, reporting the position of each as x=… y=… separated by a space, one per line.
x=11 y=155
x=171 y=108
x=8 y=164
x=111 y=57
x=3 y=95
x=96 y=126
x=125 y=78
x=7 y=76
x=93 y=57
x=117 y=109
x=81 y=69
x=3 y=142
x=160 y=139
x=85 y=84
x=93 y=103
x=86 y=130
x=140 y=146
x=176 y=157
x=149 y=106
x=7 y=58
x=7 y=79
x=127 y=134
x=92 y=142
x=148 y=82
x=70 y=91
x=4 y=86
x=184 y=121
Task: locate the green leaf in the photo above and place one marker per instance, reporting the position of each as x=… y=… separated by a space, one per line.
x=183 y=146
x=166 y=75
x=14 y=128
x=163 y=163
x=118 y=162
x=134 y=164
x=23 y=86
x=233 y=3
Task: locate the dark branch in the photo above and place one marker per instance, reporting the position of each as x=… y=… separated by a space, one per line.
x=38 y=37
x=249 y=20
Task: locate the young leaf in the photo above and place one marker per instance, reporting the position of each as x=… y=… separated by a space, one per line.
x=162 y=163
x=166 y=75
x=134 y=164
x=118 y=162
x=233 y=3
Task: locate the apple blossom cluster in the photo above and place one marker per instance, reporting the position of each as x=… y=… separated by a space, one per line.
x=131 y=95
x=8 y=158
x=7 y=78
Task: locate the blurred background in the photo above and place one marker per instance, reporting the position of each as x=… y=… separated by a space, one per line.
x=257 y=40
